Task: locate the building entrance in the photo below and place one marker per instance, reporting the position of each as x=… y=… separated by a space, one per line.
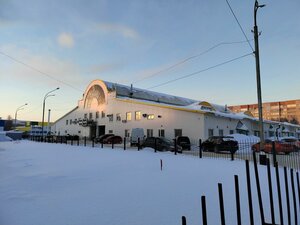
x=101 y=130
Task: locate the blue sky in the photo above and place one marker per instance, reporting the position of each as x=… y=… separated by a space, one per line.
x=123 y=41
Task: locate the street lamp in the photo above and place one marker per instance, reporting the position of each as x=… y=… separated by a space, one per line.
x=256 y=52
x=46 y=96
x=18 y=109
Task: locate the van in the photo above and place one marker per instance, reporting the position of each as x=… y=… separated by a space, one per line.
x=137 y=133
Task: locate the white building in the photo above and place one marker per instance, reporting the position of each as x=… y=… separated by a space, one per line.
x=113 y=108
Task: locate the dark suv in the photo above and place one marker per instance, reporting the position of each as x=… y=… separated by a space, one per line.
x=184 y=142
x=220 y=144
x=162 y=144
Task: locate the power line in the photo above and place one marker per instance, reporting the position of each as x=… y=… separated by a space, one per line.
x=200 y=71
x=188 y=59
x=39 y=71
x=236 y=19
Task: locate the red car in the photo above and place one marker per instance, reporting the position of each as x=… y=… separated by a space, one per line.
x=292 y=141
x=280 y=147
x=113 y=139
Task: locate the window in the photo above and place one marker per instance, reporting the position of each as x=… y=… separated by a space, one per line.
x=110 y=131
x=90 y=116
x=97 y=114
x=110 y=117
x=231 y=132
x=128 y=116
x=149 y=132
x=221 y=133
x=150 y=117
x=118 y=117
x=210 y=132
x=85 y=116
x=161 y=133
x=178 y=132
x=256 y=133
x=102 y=114
x=67 y=121
x=71 y=122
x=138 y=115
x=127 y=133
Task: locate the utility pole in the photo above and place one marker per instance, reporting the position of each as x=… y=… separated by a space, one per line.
x=260 y=109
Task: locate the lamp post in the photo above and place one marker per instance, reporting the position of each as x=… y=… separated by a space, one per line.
x=18 y=109
x=261 y=128
x=46 y=96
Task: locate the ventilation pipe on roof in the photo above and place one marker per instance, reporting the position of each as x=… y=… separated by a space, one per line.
x=131 y=90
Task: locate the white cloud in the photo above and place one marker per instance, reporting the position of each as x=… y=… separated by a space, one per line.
x=122 y=30
x=65 y=40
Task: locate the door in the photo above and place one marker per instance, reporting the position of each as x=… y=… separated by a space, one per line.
x=101 y=130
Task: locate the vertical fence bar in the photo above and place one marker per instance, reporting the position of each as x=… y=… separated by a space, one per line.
x=204 y=214
x=78 y=141
x=237 y=200
x=274 y=153
x=270 y=192
x=101 y=143
x=232 y=155
x=200 y=148
x=183 y=220
x=298 y=187
x=261 y=209
x=221 y=202
x=287 y=195
x=279 y=193
x=124 y=143
x=72 y=139
x=139 y=143
x=155 y=144
x=175 y=145
x=93 y=142
x=112 y=143
x=249 y=193
x=294 y=196
x=84 y=140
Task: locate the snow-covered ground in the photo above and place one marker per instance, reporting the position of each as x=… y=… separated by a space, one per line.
x=47 y=184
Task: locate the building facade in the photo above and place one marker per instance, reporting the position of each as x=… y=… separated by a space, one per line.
x=113 y=108
x=288 y=111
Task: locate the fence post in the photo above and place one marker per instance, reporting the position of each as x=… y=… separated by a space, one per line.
x=232 y=155
x=249 y=193
x=294 y=196
x=139 y=143
x=84 y=140
x=72 y=140
x=175 y=143
x=78 y=141
x=274 y=153
x=261 y=208
x=200 y=148
x=155 y=144
x=112 y=143
x=221 y=202
x=279 y=193
x=101 y=143
x=203 y=206
x=270 y=192
x=287 y=196
x=237 y=200
x=124 y=143
x=183 y=219
x=93 y=142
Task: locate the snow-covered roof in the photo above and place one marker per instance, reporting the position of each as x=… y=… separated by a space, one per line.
x=142 y=94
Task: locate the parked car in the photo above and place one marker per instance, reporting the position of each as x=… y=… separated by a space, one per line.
x=184 y=142
x=292 y=141
x=220 y=144
x=136 y=134
x=113 y=139
x=162 y=144
x=280 y=147
x=102 y=137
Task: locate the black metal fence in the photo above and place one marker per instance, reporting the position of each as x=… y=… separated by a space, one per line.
x=286 y=194
x=284 y=198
